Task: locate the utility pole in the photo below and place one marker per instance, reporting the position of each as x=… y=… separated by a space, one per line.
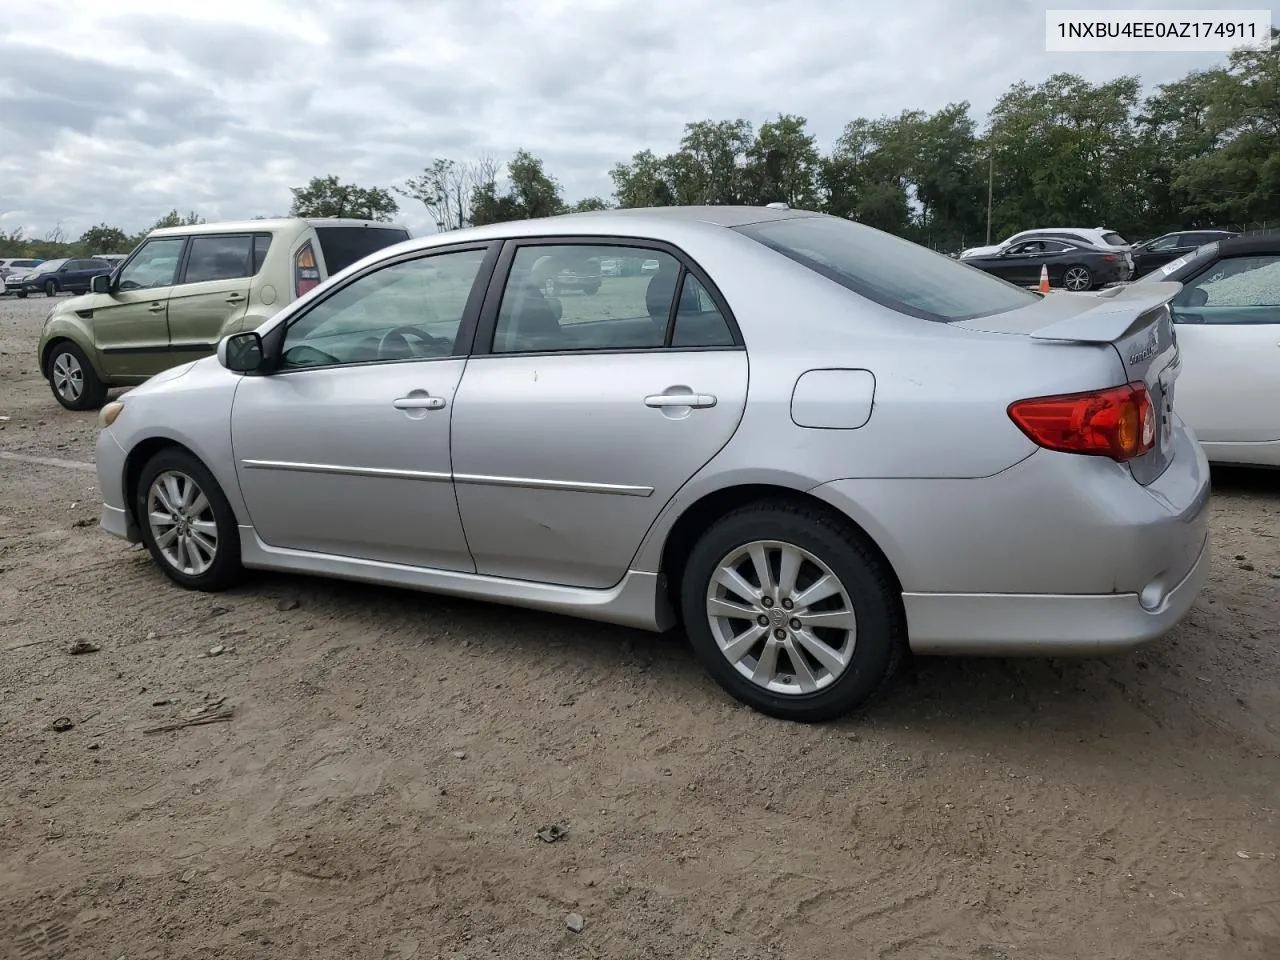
x=991 y=169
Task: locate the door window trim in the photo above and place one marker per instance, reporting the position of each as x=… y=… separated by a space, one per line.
x=273 y=339
x=481 y=344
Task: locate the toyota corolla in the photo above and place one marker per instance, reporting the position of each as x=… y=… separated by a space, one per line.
x=811 y=444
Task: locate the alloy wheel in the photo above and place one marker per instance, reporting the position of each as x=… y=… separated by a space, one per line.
x=781 y=617
x=68 y=377
x=1077 y=278
x=182 y=522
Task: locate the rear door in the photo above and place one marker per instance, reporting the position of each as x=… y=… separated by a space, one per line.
x=1228 y=324
x=212 y=292
x=579 y=417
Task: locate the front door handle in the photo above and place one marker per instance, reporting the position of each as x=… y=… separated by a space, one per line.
x=419 y=403
x=156 y=308
x=680 y=400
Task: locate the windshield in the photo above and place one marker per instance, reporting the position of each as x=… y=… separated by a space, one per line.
x=893 y=272
x=1163 y=273
x=50 y=265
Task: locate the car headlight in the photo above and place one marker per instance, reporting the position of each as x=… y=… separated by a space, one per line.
x=107 y=415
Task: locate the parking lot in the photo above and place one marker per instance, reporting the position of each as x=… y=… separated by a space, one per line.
x=389 y=759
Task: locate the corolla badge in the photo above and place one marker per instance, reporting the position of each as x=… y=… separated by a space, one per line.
x=1148 y=351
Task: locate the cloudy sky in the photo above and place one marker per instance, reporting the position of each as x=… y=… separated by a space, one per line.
x=119 y=110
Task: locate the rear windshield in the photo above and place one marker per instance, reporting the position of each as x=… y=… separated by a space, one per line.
x=893 y=272
x=1114 y=239
x=343 y=246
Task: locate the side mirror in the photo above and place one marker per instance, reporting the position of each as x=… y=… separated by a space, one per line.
x=100 y=284
x=241 y=352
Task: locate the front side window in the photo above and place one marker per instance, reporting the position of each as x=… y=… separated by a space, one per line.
x=154 y=265
x=1164 y=243
x=557 y=298
x=219 y=258
x=405 y=311
x=889 y=270
x=1234 y=290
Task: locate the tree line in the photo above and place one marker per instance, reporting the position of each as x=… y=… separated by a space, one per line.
x=1201 y=151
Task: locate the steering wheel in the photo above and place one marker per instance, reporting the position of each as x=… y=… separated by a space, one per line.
x=402 y=334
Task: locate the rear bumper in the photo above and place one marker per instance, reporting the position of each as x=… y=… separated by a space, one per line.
x=1057 y=555
x=1048 y=624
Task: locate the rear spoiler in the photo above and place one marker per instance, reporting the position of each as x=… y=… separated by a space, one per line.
x=1117 y=311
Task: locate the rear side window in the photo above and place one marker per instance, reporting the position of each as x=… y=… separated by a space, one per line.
x=342 y=246
x=219 y=258
x=1114 y=239
x=893 y=272
x=24 y=263
x=261 y=244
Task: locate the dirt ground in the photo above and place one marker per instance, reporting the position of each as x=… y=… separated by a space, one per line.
x=391 y=756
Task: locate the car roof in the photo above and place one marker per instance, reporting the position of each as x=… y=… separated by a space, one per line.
x=638 y=222
x=1268 y=242
x=267 y=225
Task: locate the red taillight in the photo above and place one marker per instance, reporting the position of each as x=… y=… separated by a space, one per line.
x=1110 y=258
x=1118 y=422
x=306 y=276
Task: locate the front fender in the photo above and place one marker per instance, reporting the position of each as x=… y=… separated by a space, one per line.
x=67 y=325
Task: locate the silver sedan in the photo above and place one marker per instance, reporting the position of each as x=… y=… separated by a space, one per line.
x=812 y=445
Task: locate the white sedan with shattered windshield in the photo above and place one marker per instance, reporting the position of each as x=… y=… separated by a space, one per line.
x=1227 y=319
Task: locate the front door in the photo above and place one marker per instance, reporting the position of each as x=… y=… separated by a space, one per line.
x=344 y=449
x=580 y=416
x=130 y=324
x=1228 y=326
x=212 y=293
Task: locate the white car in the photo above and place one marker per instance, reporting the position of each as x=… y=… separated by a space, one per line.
x=1097 y=236
x=1227 y=321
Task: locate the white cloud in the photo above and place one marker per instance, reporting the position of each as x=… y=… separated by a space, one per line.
x=119 y=111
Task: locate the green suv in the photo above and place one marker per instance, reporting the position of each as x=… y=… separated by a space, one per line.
x=185 y=288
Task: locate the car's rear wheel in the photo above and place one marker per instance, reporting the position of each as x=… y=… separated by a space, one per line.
x=791 y=612
x=50 y=288
x=186 y=522
x=1077 y=278
x=72 y=379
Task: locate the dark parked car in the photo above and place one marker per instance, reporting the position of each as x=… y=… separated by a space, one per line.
x=1156 y=253
x=1071 y=264
x=58 y=276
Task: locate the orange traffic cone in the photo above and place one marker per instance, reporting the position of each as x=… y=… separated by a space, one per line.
x=1044 y=279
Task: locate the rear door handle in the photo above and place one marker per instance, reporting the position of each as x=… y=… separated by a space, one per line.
x=156 y=308
x=680 y=400
x=419 y=403
x=236 y=298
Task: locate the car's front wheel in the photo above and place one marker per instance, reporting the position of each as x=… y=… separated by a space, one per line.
x=50 y=288
x=73 y=380
x=186 y=522
x=791 y=612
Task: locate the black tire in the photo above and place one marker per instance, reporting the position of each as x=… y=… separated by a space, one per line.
x=1088 y=278
x=592 y=288
x=879 y=638
x=50 y=288
x=22 y=294
x=225 y=568
x=92 y=391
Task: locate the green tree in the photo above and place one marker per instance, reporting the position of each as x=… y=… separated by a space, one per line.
x=174 y=219
x=330 y=197
x=530 y=193
x=446 y=188
x=782 y=164
x=588 y=204
x=642 y=183
x=105 y=239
